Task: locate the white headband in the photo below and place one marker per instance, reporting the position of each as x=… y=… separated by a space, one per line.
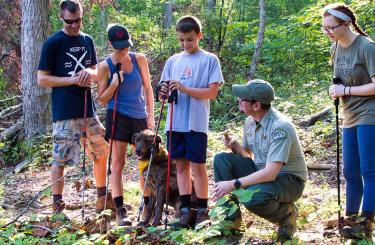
x=339 y=14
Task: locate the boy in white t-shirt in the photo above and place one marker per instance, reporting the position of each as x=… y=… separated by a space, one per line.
x=196 y=75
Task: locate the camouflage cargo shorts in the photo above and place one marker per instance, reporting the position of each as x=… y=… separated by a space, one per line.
x=67 y=141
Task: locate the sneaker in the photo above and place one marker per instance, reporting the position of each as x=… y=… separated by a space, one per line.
x=121 y=217
x=100 y=202
x=362 y=230
x=288 y=225
x=58 y=211
x=185 y=219
x=202 y=215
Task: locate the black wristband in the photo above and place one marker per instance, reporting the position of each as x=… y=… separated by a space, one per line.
x=350 y=93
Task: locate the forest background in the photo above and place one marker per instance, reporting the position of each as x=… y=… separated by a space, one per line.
x=293 y=57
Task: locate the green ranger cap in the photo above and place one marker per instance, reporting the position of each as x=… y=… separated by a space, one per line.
x=255 y=90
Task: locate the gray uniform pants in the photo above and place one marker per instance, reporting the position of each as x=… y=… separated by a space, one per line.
x=273 y=199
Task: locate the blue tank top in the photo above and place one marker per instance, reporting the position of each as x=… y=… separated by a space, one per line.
x=130 y=98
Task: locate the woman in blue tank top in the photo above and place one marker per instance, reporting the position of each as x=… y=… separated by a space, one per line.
x=134 y=106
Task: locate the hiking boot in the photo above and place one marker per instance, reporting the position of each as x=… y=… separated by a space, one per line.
x=121 y=217
x=58 y=207
x=100 y=202
x=202 y=215
x=362 y=230
x=185 y=219
x=288 y=225
x=58 y=211
x=349 y=221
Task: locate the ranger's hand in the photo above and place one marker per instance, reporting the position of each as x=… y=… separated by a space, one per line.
x=229 y=141
x=222 y=188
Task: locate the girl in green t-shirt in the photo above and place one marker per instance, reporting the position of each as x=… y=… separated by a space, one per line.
x=353 y=58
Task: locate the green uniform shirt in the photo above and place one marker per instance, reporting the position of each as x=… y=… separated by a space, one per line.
x=274 y=139
x=355 y=65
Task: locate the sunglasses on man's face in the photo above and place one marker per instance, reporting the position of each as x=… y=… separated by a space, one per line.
x=70 y=22
x=245 y=100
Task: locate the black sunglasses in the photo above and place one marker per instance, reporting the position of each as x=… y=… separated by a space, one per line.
x=70 y=22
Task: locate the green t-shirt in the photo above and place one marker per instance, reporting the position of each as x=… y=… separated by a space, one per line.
x=274 y=139
x=355 y=65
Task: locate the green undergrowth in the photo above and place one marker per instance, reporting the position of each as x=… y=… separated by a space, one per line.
x=37 y=151
x=216 y=232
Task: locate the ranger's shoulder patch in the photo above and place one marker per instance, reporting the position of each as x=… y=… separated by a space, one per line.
x=279 y=134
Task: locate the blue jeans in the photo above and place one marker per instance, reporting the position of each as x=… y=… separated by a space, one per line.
x=359 y=168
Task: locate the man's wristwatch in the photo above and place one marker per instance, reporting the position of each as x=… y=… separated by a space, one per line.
x=237 y=183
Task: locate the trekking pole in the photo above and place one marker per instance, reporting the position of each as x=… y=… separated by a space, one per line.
x=113 y=128
x=83 y=169
x=337 y=80
x=172 y=100
x=150 y=160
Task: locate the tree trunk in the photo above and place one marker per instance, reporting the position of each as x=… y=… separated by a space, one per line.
x=208 y=37
x=103 y=24
x=258 y=46
x=211 y=4
x=36 y=100
x=168 y=15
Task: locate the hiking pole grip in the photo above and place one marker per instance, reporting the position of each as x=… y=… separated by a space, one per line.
x=337 y=80
x=117 y=71
x=173 y=97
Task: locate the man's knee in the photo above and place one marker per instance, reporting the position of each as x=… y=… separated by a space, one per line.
x=220 y=159
x=258 y=201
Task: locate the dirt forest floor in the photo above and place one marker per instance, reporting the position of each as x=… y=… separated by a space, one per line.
x=317 y=206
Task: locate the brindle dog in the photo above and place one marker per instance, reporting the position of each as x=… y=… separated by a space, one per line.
x=157 y=178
